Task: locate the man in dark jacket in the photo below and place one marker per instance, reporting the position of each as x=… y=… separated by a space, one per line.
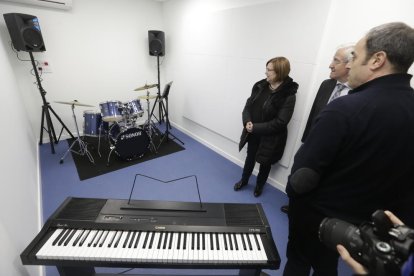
x=334 y=87
x=358 y=156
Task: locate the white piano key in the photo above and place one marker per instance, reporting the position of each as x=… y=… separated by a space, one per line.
x=45 y=250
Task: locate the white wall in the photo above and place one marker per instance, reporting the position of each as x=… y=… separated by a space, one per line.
x=216 y=50
x=19 y=197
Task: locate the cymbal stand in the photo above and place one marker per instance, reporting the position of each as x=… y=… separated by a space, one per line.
x=149 y=125
x=83 y=148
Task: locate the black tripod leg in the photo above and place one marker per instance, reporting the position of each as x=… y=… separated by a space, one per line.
x=61 y=122
x=49 y=130
x=41 y=126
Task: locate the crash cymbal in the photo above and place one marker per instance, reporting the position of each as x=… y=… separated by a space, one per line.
x=146 y=86
x=149 y=97
x=74 y=102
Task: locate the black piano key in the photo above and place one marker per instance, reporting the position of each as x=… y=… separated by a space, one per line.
x=257 y=242
x=64 y=237
x=225 y=242
x=164 y=246
x=118 y=239
x=217 y=241
x=179 y=240
x=78 y=237
x=152 y=240
x=84 y=237
x=203 y=239
x=244 y=244
x=230 y=241
x=185 y=241
x=59 y=236
x=70 y=237
x=98 y=237
x=137 y=240
x=92 y=239
x=104 y=236
x=192 y=241
x=236 y=246
x=248 y=242
x=126 y=240
x=198 y=241
x=145 y=240
x=160 y=240
x=170 y=241
x=211 y=241
x=131 y=242
x=111 y=241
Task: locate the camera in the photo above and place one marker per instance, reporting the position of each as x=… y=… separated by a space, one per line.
x=378 y=245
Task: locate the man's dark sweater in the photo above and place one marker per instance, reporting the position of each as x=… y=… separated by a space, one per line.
x=361 y=150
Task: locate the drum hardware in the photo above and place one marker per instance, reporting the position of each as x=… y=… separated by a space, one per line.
x=83 y=148
x=149 y=125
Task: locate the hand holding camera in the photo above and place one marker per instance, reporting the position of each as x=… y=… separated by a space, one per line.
x=380 y=247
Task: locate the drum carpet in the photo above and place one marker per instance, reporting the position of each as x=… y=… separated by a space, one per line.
x=88 y=170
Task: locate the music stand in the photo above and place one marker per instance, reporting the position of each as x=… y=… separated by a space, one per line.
x=164 y=107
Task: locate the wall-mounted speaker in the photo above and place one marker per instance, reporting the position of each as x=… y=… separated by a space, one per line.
x=24 y=30
x=156 y=43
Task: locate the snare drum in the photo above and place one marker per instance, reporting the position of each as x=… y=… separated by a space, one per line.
x=111 y=111
x=92 y=123
x=135 y=108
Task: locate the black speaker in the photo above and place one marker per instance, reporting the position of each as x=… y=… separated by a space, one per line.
x=25 y=32
x=156 y=43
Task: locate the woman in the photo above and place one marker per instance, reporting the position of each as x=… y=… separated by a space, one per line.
x=265 y=118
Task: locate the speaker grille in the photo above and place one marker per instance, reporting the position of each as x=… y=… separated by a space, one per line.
x=242 y=215
x=33 y=38
x=82 y=209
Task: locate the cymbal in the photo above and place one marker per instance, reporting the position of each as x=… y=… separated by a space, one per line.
x=146 y=86
x=149 y=97
x=75 y=102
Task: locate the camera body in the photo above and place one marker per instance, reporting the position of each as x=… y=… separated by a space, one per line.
x=378 y=245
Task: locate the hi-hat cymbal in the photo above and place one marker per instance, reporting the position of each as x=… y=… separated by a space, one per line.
x=146 y=86
x=74 y=102
x=149 y=97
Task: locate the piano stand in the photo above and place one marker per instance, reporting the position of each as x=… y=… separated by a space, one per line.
x=75 y=270
x=90 y=271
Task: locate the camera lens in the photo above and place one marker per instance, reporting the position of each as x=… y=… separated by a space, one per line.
x=334 y=231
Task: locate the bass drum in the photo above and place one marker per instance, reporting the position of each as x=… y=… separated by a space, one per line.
x=130 y=143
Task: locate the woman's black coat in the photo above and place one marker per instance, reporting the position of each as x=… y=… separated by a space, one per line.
x=276 y=113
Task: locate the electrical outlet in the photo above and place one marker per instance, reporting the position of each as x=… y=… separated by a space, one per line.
x=44 y=66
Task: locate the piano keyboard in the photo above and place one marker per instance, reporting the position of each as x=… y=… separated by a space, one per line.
x=152 y=247
x=84 y=233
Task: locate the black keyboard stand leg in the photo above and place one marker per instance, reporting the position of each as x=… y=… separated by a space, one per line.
x=75 y=271
x=252 y=272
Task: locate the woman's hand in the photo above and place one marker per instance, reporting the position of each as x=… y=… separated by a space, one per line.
x=249 y=127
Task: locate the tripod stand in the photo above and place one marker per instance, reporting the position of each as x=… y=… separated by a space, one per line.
x=164 y=107
x=45 y=113
x=83 y=148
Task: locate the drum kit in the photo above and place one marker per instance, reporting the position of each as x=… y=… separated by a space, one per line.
x=118 y=122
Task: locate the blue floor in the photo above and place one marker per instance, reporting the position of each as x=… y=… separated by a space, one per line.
x=215 y=174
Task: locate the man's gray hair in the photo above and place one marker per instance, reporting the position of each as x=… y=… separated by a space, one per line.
x=396 y=39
